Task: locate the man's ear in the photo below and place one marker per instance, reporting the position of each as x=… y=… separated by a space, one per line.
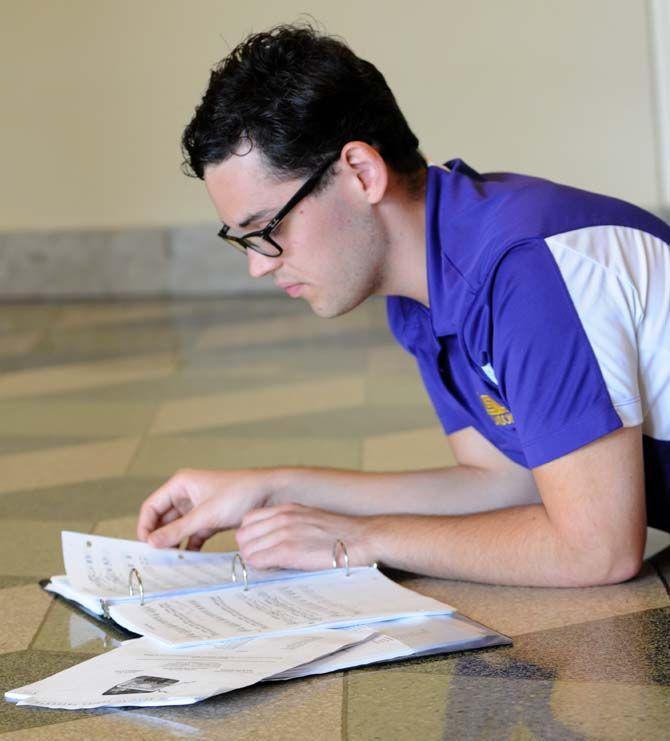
x=367 y=166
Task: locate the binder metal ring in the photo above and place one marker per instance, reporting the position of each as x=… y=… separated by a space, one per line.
x=105 y=607
x=134 y=575
x=345 y=554
x=243 y=567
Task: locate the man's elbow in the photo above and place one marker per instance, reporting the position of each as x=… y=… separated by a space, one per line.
x=611 y=566
x=623 y=567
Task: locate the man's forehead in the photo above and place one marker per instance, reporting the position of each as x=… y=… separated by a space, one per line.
x=242 y=187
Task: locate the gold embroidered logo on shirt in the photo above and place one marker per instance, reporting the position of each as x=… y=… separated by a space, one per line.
x=499 y=414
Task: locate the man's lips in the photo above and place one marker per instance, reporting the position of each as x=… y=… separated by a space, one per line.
x=293 y=289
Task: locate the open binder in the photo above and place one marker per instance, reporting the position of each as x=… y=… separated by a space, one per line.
x=186 y=598
x=191 y=609
x=102 y=572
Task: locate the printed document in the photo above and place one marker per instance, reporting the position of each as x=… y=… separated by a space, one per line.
x=100 y=566
x=398 y=639
x=326 y=600
x=141 y=673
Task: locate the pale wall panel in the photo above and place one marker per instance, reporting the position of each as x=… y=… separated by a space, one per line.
x=95 y=94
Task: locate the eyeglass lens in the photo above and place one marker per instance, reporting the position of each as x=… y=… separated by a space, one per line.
x=258 y=244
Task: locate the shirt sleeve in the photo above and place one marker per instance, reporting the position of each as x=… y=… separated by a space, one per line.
x=546 y=365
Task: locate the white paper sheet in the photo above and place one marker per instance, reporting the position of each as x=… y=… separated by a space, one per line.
x=399 y=639
x=141 y=673
x=325 y=601
x=100 y=566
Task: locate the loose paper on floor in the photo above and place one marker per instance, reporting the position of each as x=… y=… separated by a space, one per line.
x=141 y=673
x=398 y=639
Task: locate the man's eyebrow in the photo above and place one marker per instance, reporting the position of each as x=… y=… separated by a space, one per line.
x=257 y=216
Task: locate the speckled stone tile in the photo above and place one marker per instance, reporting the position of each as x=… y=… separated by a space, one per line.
x=18 y=316
x=396 y=705
x=55 y=379
x=321 y=358
x=356 y=422
x=22 y=610
x=388 y=705
x=517 y=610
x=66 y=628
x=267 y=402
x=396 y=388
x=614 y=711
x=303 y=327
x=125 y=341
x=657 y=542
x=90 y=500
x=88 y=314
x=18 y=343
x=182 y=385
x=263 y=382
x=661 y=562
x=163 y=455
x=118 y=527
x=31 y=548
x=23 y=667
x=267 y=712
x=283 y=711
x=9 y=580
x=630 y=649
x=66 y=465
x=407 y=450
x=87 y=419
x=24 y=444
x=119 y=725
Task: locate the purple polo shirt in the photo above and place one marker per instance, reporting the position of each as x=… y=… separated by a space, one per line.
x=549 y=318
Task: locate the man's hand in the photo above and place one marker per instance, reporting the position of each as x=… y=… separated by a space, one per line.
x=292 y=536
x=195 y=504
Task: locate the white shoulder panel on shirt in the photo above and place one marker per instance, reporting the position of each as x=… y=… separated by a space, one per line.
x=619 y=281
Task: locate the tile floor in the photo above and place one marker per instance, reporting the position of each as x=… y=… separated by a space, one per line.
x=100 y=402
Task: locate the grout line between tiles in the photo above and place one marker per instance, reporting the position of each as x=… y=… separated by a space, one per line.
x=42 y=621
x=344 y=729
x=661 y=576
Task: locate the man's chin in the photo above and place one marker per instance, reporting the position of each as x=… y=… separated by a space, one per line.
x=326 y=310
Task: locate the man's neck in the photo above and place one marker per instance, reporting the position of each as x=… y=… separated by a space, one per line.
x=405 y=271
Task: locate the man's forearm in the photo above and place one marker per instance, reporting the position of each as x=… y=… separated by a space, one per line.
x=517 y=546
x=455 y=490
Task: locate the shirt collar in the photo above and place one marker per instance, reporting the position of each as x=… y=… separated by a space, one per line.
x=446 y=195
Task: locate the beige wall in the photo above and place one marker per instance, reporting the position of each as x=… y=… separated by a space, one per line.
x=94 y=94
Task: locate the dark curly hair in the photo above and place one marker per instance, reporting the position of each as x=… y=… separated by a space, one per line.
x=299 y=96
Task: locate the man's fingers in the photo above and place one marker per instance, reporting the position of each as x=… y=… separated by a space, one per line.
x=170 y=516
x=272 y=558
x=201 y=522
x=261 y=527
x=262 y=542
x=287 y=555
x=171 y=534
x=196 y=542
x=157 y=505
x=264 y=513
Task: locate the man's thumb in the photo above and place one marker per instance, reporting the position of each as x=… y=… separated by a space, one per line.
x=171 y=535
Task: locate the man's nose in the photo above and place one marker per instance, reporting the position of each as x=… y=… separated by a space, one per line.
x=260 y=265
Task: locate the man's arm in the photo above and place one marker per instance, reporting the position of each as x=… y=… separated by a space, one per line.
x=195 y=504
x=589 y=529
x=484 y=479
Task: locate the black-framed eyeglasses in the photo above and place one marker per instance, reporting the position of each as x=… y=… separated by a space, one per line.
x=261 y=240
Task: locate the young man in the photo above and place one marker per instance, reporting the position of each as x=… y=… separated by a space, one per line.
x=539 y=316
